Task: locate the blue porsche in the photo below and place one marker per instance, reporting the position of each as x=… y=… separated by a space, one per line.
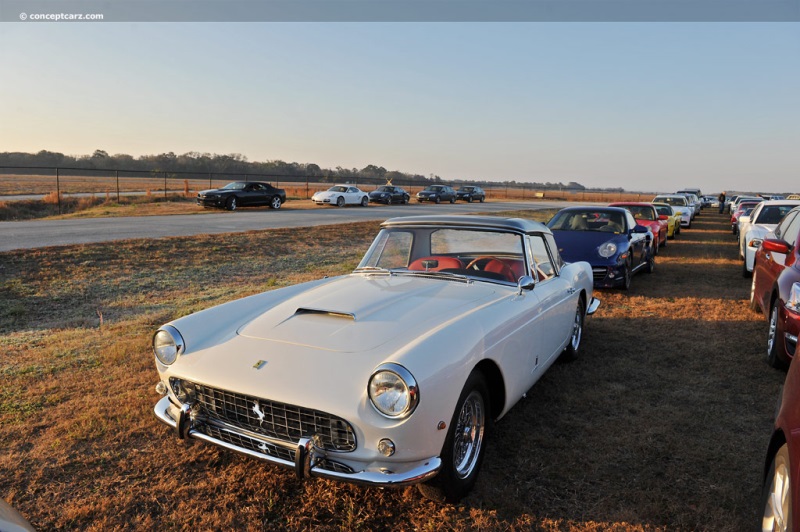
x=608 y=238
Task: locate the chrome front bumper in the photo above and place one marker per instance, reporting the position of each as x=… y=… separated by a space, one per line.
x=307 y=455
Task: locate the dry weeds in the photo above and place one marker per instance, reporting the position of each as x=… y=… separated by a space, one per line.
x=660 y=425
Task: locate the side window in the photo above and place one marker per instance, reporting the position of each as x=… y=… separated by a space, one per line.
x=551 y=242
x=544 y=264
x=791 y=231
x=782 y=228
x=631 y=222
x=351 y=190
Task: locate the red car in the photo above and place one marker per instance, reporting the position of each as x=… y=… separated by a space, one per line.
x=645 y=214
x=776 y=288
x=745 y=208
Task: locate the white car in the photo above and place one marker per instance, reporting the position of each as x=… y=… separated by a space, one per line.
x=391 y=375
x=341 y=195
x=680 y=204
x=755 y=227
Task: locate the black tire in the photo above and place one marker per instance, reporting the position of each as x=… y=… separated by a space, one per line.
x=231 y=204
x=452 y=199
x=774 y=343
x=665 y=242
x=365 y=201
x=627 y=275
x=463 y=449
x=745 y=272
x=483 y=198
x=469 y=199
x=406 y=200
x=340 y=201
x=438 y=200
x=650 y=265
x=275 y=203
x=776 y=494
x=572 y=351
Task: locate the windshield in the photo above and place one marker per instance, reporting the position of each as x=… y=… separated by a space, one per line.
x=383 y=189
x=466 y=189
x=236 y=185
x=588 y=220
x=434 y=188
x=471 y=253
x=773 y=214
x=682 y=202
x=664 y=210
x=337 y=189
x=640 y=212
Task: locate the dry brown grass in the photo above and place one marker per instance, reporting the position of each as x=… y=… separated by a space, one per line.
x=660 y=425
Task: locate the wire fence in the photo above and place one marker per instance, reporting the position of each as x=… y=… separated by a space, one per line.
x=42 y=180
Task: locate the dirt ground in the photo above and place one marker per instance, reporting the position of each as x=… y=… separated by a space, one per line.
x=661 y=424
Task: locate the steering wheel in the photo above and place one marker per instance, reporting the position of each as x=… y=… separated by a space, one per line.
x=505 y=269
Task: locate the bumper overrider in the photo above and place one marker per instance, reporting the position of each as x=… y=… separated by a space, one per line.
x=306 y=456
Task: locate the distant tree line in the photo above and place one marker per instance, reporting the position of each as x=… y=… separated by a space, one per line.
x=236 y=163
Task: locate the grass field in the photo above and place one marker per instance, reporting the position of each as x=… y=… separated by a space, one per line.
x=662 y=424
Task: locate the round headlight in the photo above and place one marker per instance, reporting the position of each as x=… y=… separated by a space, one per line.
x=167 y=344
x=393 y=391
x=607 y=250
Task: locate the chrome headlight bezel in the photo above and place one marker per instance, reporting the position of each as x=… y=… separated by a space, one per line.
x=607 y=249
x=393 y=379
x=168 y=345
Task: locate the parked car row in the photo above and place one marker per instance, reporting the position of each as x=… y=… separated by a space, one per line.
x=769 y=245
x=255 y=193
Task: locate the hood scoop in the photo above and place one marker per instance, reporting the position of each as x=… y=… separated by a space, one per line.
x=321 y=312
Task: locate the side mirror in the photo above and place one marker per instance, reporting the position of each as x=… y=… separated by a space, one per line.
x=775 y=245
x=525 y=282
x=640 y=229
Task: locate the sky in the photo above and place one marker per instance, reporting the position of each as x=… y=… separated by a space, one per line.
x=643 y=106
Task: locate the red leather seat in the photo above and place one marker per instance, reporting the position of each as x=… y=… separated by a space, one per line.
x=516 y=267
x=444 y=264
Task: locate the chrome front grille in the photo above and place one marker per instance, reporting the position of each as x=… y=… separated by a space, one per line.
x=243 y=441
x=598 y=274
x=276 y=420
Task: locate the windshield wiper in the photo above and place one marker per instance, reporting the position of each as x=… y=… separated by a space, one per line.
x=432 y=273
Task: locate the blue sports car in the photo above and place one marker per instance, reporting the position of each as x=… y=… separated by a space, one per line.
x=608 y=238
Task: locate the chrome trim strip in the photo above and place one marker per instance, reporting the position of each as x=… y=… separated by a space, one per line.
x=413 y=473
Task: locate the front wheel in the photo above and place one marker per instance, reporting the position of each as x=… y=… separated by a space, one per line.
x=406 y=199
x=365 y=201
x=452 y=199
x=340 y=201
x=231 y=204
x=463 y=449
x=776 y=495
x=438 y=200
x=469 y=199
x=571 y=352
x=275 y=203
x=651 y=264
x=745 y=272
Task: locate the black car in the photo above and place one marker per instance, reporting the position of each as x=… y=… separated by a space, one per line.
x=471 y=194
x=437 y=194
x=242 y=194
x=389 y=194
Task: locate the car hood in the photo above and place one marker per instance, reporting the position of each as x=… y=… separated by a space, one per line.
x=575 y=246
x=213 y=191
x=359 y=313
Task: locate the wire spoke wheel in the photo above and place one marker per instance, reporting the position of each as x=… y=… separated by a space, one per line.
x=468 y=435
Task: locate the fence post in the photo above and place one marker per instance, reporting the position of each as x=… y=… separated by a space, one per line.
x=306 y=187
x=117 y=186
x=165 y=184
x=58 y=190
